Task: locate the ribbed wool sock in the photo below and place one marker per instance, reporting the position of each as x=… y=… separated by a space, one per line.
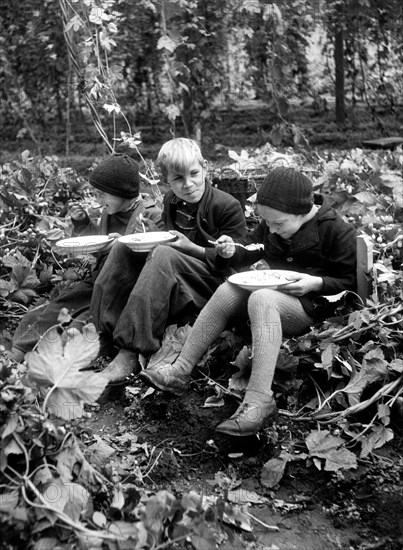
x=270 y=312
x=227 y=302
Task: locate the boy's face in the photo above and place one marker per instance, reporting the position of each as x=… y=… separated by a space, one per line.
x=111 y=203
x=285 y=225
x=189 y=184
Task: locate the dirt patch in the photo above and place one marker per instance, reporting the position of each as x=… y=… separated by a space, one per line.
x=312 y=509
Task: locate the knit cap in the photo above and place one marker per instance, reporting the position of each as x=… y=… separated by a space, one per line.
x=286 y=189
x=117 y=175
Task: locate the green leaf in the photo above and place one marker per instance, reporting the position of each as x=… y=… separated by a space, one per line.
x=367 y=198
x=23 y=295
x=172 y=343
x=239 y=380
x=6 y=288
x=327 y=357
x=46 y=543
x=43 y=475
x=238 y=516
x=79 y=500
x=24 y=277
x=99 y=519
x=166 y=43
x=56 y=362
x=373 y=368
x=241 y=496
x=10 y=426
x=9 y=501
x=396 y=365
x=379 y=435
x=100 y=452
x=15 y=258
x=321 y=444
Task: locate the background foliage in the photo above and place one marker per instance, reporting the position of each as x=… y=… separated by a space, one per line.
x=178 y=63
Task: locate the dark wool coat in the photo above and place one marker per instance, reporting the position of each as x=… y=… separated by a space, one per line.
x=218 y=214
x=325 y=247
x=77 y=299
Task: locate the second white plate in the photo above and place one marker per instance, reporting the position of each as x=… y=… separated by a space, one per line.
x=263 y=278
x=144 y=242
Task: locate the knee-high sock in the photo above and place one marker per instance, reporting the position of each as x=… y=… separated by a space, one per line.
x=271 y=312
x=227 y=302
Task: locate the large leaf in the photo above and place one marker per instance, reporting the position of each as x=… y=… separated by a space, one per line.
x=6 y=288
x=56 y=363
x=366 y=197
x=378 y=437
x=321 y=444
x=15 y=258
x=172 y=343
x=374 y=368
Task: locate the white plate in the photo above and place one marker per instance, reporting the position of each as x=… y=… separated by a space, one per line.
x=144 y=242
x=81 y=246
x=262 y=278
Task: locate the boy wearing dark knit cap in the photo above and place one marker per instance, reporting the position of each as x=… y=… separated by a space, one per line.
x=116 y=182
x=133 y=308
x=302 y=234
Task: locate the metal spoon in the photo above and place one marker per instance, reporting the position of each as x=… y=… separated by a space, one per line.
x=252 y=246
x=141 y=221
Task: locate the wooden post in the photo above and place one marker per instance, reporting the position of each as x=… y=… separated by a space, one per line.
x=365 y=262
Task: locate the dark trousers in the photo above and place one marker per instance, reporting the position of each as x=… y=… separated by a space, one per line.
x=134 y=306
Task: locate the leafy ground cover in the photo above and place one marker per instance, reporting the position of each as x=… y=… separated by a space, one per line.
x=140 y=469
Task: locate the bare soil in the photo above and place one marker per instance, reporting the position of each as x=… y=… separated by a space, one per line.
x=358 y=509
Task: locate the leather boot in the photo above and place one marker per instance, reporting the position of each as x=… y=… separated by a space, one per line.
x=248 y=419
x=125 y=364
x=166 y=378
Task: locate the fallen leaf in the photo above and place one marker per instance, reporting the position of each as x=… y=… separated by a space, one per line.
x=374 y=368
x=100 y=452
x=9 y=501
x=273 y=472
x=56 y=363
x=377 y=438
x=238 y=516
x=99 y=519
x=241 y=496
x=213 y=401
x=172 y=343
x=321 y=444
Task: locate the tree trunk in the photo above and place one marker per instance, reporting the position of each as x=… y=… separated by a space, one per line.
x=339 y=65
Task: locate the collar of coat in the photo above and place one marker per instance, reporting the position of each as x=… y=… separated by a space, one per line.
x=307 y=235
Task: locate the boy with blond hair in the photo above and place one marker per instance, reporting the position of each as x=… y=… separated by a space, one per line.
x=131 y=307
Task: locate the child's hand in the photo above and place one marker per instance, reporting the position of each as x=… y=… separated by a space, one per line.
x=224 y=246
x=77 y=213
x=182 y=242
x=302 y=284
x=143 y=225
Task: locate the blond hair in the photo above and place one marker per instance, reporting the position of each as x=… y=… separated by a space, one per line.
x=178 y=154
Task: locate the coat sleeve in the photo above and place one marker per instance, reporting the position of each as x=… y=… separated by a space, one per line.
x=232 y=223
x=341 y=270
x=242 y=257
x=154 y=214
